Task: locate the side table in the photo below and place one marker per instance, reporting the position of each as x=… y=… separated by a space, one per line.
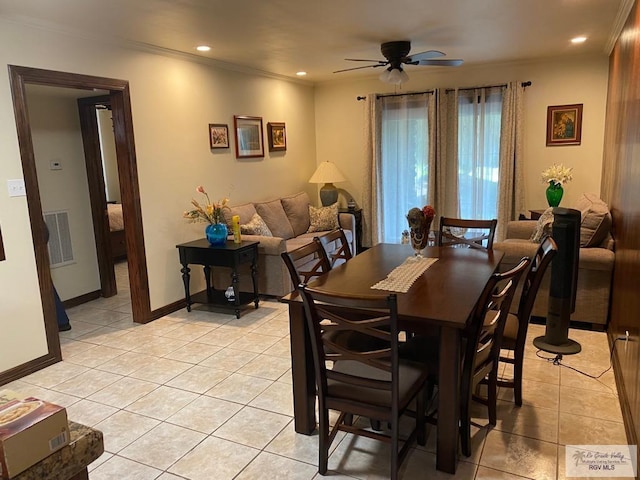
x=70 y=462
x=535 y=214
x=228 y=255
x=356 y=212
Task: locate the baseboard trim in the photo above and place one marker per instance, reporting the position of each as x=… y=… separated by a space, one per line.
x=87 y=297
x=625 y=406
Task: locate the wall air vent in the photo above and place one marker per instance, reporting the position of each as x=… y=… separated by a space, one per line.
x=60 y=250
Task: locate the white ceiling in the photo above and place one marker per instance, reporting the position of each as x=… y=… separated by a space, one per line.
x=284 y=36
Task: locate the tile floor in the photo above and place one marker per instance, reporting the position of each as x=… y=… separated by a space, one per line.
x=203 y=395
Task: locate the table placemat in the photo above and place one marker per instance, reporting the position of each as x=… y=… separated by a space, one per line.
x=402 y=277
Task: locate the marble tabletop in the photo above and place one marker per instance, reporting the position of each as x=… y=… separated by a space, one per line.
x=85 y=446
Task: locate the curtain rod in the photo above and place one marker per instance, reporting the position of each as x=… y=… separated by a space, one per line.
x=523 y=84
x=360 y=97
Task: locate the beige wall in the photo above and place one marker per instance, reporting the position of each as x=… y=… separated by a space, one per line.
x=173 y=101
x=55 y=127
x=340 y=118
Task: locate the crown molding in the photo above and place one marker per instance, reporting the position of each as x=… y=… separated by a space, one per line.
x=618 y=24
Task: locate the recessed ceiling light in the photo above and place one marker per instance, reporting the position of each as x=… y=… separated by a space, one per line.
x=301 y=74
x=578 y=39
x=203 y=48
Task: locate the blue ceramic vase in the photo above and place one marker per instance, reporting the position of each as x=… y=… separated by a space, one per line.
x=216 y=233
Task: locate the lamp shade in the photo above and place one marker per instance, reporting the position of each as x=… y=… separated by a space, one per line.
x=327 y=172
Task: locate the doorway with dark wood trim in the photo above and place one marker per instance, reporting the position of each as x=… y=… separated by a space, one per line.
x=130 y=193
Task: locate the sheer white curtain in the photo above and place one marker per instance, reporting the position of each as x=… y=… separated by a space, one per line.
x=479 y=120
x=404 y=166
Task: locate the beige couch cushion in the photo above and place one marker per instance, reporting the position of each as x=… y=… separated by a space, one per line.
x=596 y=220
x=297 y=209
x=276 y=219
x=245 y=212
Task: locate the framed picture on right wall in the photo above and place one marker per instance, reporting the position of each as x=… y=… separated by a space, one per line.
x=564 y=125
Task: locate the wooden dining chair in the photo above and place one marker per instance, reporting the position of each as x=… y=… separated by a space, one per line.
x=461 y=232
x=482 y=352
x=483 y=338
x=336 y=246
x=306 y=263
x=515 y=331
x=373 y=383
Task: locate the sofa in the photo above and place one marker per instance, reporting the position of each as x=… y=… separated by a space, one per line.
x=595 y=264
x=281 y=225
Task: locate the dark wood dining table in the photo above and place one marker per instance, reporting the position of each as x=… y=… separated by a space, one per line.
x=443 y=297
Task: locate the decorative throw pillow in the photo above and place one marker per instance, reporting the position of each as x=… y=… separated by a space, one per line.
x=595 y=221
x=256 y=226
x=544 y=225
x=323 y=218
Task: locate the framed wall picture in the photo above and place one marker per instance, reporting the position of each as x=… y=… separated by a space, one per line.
x=564 y=125
x=249 y=139
x=277 y=134
x=218 y=135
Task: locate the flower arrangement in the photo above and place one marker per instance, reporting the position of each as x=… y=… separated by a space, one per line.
x=420 y=219
x=558 y=174
x=210 y=212
x=419 y=223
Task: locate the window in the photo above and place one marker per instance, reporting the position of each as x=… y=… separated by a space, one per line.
x=479 y=119
x=404 y=161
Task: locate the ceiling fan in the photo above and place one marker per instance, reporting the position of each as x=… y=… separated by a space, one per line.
x=397 y=54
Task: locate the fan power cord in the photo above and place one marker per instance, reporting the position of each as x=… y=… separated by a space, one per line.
x=557 y=360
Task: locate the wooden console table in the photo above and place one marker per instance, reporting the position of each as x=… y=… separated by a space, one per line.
x=230 y=255
x=70 y=462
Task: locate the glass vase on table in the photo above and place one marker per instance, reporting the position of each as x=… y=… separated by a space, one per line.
x=419 y=240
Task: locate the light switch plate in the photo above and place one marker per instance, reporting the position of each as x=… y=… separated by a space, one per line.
x=16 y=188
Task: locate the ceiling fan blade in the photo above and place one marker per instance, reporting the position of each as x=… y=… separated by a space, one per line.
x=446 y=62
x=365 y=60
x=424 y=56
x=358 y=68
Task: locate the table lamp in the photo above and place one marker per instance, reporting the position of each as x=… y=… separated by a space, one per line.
x=328 y=174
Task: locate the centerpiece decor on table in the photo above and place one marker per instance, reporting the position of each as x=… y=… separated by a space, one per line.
x=419 y=226
x=556 y=176
x=211 y=213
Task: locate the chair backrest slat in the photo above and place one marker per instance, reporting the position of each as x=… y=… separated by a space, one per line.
x=466 y=233
x=336 y=246
x=484 y=334
x=373 y=318
x=306 y=263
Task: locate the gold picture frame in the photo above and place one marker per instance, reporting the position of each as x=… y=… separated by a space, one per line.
x=564 y=125
x=277 y=134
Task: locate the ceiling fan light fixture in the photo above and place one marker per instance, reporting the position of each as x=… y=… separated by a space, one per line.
x=396 y=76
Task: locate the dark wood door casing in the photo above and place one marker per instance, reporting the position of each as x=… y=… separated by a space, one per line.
x=97 y=195
x=127 y=170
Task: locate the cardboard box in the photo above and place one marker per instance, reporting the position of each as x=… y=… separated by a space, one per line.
x=30 y=430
